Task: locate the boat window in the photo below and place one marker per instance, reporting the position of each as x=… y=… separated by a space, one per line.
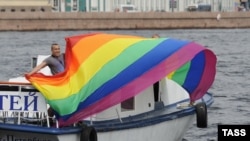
x=9 y=88
x=156 y=91
x=33 y=62
x=128 y=105
x=27 y=89
x=16 y=88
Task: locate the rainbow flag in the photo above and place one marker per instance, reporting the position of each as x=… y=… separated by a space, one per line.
x=103 y=70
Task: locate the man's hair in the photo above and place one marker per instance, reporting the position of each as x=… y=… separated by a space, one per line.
x=54 y=44
x=156 y=36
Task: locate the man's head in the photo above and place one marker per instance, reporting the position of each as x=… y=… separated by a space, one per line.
x=55 y=50
x=155 y=36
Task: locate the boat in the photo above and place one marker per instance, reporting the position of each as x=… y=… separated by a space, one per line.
x=157 y=108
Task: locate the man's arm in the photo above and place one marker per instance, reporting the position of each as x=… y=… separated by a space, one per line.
x=37 y=68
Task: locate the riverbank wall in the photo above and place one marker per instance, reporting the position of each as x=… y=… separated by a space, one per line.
x=41 y=21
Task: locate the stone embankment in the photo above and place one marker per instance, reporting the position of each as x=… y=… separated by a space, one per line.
x=39 y=21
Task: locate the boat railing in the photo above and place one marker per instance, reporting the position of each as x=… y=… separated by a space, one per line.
x=21 y=103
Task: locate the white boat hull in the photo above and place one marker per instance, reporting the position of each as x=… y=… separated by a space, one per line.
x=172 y=130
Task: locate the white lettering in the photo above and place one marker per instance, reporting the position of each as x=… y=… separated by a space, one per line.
x=235 y=132
x=224 y=132
x=243 y=132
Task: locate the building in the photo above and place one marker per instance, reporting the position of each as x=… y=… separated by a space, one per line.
x=117 y=5
x=157 y=5
x=25 y=6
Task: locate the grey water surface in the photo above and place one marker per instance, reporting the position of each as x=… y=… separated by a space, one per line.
x=231 y=87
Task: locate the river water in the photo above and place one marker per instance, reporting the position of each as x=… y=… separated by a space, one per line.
x=231 y=87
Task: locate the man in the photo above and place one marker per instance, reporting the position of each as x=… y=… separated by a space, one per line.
x=156 y=36
x=55 y=62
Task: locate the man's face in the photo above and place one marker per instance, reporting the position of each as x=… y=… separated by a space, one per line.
x=55 y=50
